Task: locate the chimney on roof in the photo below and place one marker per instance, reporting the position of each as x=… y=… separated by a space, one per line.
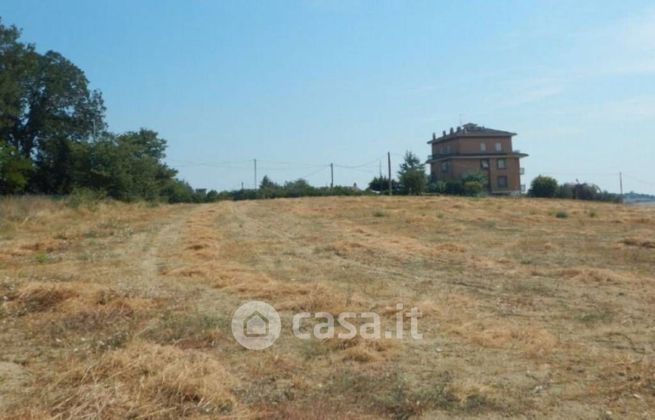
x=459 y=129
x=444 y=133
x=451 y=130
x=434 y=136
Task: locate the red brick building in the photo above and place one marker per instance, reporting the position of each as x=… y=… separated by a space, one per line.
x=473 y=148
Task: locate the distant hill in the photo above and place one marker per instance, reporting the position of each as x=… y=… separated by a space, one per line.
x=633 y=197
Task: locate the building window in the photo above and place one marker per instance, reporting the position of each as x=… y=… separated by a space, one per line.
x=483 y=147
x=448 y=149
x=502 y=182
x=499 y=147
x=444 y=166
x=502 y=164
x=484 y=164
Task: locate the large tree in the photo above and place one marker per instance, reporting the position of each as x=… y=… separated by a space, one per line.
x=46 y=107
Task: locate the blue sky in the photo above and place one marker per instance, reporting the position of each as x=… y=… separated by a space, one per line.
x=300 y=84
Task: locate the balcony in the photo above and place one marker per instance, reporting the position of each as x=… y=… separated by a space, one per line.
x=522 y=171
x=440 y=155
x=476 y=154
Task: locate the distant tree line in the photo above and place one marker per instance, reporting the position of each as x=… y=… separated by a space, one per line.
x=548 y=187
x=412 y=180
x=53 y=138
x=269 y=189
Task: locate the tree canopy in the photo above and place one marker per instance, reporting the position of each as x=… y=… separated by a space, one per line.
x=411 y=176
x=53 y=138
x=14 y=169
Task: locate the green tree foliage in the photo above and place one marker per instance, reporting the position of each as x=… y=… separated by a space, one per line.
x=268 y=188
x=454 y=188
x=472 y=188
x=543 y=186
x=212 y=196
x=474 y=183
x=14 y=170
x=565 y=191
x=437 y=187
x=411 y=176
x=476 y=176
x=381 y=184
x=299 y=188
x=267 y=183
x=17 y=64
x=129 y=167
x=177 y=191
x=46 y=110
x=586 y=191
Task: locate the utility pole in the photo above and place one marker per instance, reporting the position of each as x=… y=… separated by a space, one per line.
x=621 y=184
x=254 y=161
x=389 y=164
x=380 y=169
x=331 y=175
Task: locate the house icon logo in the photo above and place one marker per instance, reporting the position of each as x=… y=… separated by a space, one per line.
x=256 y=325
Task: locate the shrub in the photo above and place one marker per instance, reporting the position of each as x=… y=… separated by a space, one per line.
x=562 y=214
x=475 y=176
x=565 y=191
x=438 y=187
x=472 y=188
x=41 y=257
x=608 y=196
x=381 y=184
x=212 y=196
x=177 y=191
x=586 y=191
x=543 y=186
x=454 y=187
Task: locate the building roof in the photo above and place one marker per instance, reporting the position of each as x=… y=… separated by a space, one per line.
x=470 y=130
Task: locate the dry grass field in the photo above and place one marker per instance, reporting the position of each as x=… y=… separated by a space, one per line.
x=529 y=308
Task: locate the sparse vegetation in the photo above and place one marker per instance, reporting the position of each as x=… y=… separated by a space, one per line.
x=130 y=314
